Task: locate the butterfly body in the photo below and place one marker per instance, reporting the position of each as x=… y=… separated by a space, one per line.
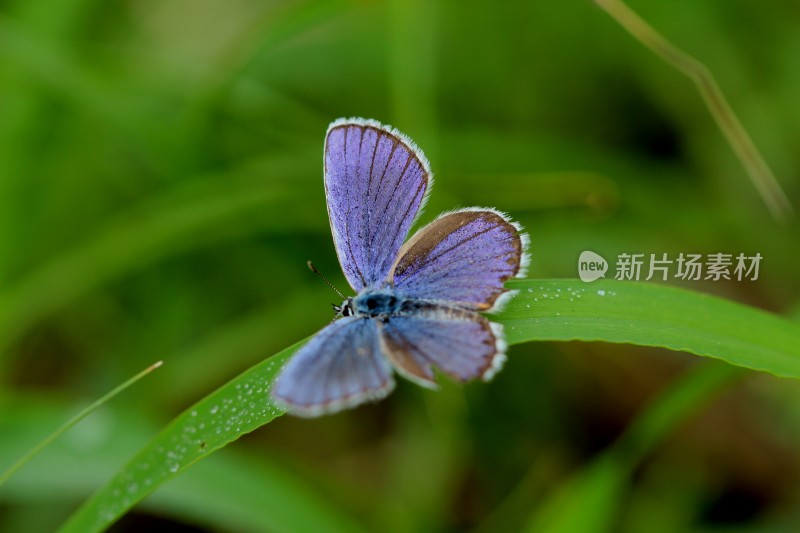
x=417 y=305
x=378 y=304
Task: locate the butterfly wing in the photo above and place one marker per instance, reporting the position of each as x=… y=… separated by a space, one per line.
x=459 y=342
x=340 y=367
x=376 y=180
x=462 y=258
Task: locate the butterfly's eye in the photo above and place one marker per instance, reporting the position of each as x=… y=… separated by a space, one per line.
x=345 y=309
x=372 y=303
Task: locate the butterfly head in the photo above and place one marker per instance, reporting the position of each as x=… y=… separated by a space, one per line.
x=371 y=304
x=346 y=309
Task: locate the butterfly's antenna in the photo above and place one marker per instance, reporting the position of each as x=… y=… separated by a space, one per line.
x=320 y=274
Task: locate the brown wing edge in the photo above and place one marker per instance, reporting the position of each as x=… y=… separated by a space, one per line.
x=407 y=367
x=428 y=238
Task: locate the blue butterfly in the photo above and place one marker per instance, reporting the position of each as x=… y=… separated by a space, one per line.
x=417 y=304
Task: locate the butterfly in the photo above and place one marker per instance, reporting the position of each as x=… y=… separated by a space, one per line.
x=417 y=304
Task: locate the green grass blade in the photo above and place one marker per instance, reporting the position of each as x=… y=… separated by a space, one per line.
x=639 y=313
x=754 y=164
x=239 y=490
x=236 y=408
x=588 y=501
x=681 y=400
x=650 y=314
x=74 y=420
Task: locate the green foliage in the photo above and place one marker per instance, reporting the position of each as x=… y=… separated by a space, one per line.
x=643 y=314
x=161 y=191
x=653 y=315
x=589 y=501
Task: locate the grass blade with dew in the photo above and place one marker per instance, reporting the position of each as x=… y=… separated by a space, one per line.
x=74 y=420
x=652 y=314
x=236 y=408
x=646 y=314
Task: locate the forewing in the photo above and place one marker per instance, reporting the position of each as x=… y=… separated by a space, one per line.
x=340 y=367
x=459 y=342
x=463 y=258
x=376 y=180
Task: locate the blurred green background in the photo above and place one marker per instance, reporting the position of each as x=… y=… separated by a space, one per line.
x=161 y=191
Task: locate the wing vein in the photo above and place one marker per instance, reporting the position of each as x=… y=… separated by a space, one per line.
x=430 y=258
